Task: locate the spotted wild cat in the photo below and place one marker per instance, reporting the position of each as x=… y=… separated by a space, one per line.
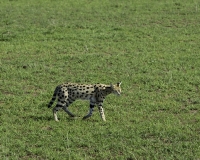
x=67 y=93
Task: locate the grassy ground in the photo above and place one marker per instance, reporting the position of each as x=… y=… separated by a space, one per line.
x=151 y=46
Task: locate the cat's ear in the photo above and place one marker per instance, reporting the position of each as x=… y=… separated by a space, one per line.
x=118 y=84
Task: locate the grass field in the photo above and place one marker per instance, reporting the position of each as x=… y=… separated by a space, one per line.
x=152 y=46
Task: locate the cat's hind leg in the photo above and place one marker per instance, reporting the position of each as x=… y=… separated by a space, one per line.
x=65 y=108
x=55 y=110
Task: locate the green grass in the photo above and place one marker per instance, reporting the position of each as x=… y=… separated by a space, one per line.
x=151 y=46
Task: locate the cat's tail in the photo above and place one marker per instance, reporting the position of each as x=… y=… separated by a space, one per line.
x=54 y=96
